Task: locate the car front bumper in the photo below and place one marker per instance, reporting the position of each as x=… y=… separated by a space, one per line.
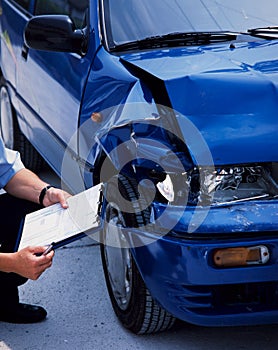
x=179 y=271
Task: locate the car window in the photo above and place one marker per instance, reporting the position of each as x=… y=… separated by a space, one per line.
x=76 y=9
x=23 y=3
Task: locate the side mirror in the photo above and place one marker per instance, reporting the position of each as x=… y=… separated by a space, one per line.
x=55 y=33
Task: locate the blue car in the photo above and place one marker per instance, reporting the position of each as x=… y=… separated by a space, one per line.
x=172 y=107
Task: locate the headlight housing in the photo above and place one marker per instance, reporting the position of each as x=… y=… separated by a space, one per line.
x=221 y=185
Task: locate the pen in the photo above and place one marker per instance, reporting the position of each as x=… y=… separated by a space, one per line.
x=48 y=249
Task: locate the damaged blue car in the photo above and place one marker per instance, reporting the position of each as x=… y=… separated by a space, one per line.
x=172 y=106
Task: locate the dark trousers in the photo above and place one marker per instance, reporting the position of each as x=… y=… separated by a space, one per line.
x=12 y=212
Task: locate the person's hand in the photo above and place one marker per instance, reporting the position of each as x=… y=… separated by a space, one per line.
x=28 y=264
x=55 y=195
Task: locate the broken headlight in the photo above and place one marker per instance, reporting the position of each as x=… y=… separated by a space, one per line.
x=221 y=185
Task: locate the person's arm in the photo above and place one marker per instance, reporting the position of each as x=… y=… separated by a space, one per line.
x=27 y=185
x=26 y=263
x=23 y=183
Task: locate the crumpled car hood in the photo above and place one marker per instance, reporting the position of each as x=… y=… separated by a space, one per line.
x=230 y=95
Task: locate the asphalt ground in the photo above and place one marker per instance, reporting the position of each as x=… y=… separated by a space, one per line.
x=80 y=316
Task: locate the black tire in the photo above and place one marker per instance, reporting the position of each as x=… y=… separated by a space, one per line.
x=131 y=300
x=12 y=136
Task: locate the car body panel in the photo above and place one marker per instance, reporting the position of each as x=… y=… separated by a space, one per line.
x=242 y=103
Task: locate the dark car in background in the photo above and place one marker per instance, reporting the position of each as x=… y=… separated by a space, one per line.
x=173 y=106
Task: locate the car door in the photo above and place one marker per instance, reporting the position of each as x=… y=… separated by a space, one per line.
x=14 y=16
x=50 y=86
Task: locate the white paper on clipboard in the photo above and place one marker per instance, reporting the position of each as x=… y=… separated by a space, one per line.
x=55 y=224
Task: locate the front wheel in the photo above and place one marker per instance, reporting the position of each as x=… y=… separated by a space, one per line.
x=130 y=298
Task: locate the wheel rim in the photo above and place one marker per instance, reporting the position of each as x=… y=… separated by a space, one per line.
x=6 y=119
x=117 y=257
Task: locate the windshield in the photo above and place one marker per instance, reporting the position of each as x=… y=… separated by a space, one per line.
x=132 y=20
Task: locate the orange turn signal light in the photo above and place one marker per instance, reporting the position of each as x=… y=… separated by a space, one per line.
x=241 y=256
x=96 y=117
